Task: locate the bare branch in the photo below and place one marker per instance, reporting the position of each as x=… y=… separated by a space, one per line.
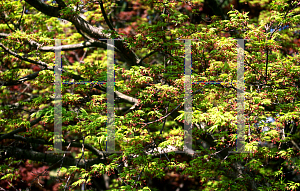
x=94 y=32
x=105 y=16
x=44 y=142
x=4 y=35
x=74 y=46
x=45 y=65
x=48 y=158
x=126 y=97
x=86 y=44
x=21 y=80
x=82 y=34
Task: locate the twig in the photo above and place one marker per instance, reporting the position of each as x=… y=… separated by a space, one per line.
x=280 y=25
x=19 y=22
x=6 y=22
x=142 y=59
x=267 y=60
x=253 y=68
x=154 y=145
x=200 y=90
x=164 y=116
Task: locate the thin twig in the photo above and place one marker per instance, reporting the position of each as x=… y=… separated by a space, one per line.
x=200 y=90
x=267 y=60
x=19 y=22
x=140 y=62
x=280 y=25
x=6 y=22
x=154 y=145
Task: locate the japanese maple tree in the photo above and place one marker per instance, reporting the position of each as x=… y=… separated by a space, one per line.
x=149 y=94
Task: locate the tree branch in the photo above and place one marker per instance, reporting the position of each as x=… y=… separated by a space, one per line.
x=18 y=105
x=295 y=144
x=76 y=77
x=21 y=80
x=2 y=35
x=105 y=16
x=86 y=44
x=151 y=53
x=45 y=65
x=280 y=25
x=95 y=32
x=19 y=22
x=44 y=142
x=32 y=123
x=61 y=3
x=267 y=60
x=6 y=22
x=48 y=158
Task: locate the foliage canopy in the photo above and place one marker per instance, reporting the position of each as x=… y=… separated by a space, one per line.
x=149 y=94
